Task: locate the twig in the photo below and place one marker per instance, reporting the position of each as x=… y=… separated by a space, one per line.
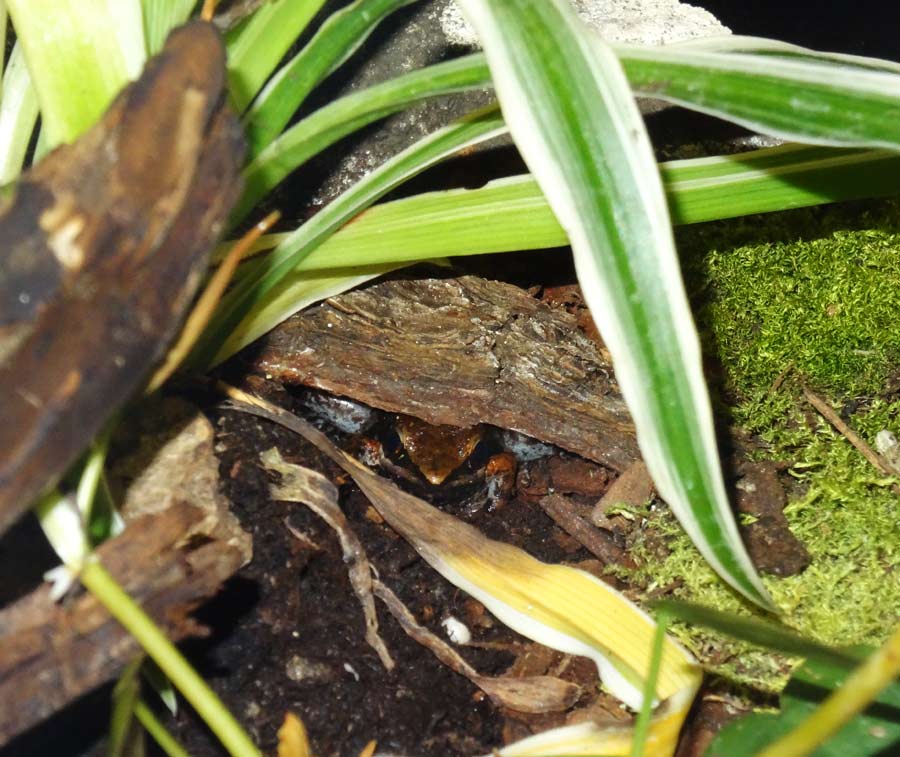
x=299 y=484
x=828 y=413
x=597 y=542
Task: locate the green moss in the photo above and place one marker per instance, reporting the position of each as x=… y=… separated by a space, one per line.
x=824 y=299
x=820 y=294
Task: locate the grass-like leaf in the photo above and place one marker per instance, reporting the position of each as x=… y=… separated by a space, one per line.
x=817 y=701
x=346 y=115
x=18 y=115
x=4 y=18
x=737 y=43
x=257 y=45
x=512 y=214
x=336 y=40
x=582 y=137
x=80 y=53
x=765 y=634
x=807 y=100
x=160 y=17
x=266 y=273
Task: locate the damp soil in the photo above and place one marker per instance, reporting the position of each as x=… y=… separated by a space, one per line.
x=289 y=631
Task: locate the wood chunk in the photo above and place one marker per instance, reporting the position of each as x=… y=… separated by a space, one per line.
x=599 y=543
x=633 y=488
x=165 y=455
x=772 y=546
x=459 y=352
x=105 y=242
x=52 y=653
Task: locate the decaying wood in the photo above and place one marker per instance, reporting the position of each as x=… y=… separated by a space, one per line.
x=51 y=653
x=459 y=352
x=165 y=455
x=105 y=241
x=597 y=542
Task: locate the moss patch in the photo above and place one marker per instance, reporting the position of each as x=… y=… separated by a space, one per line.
x=816 y=292
x=821 y=293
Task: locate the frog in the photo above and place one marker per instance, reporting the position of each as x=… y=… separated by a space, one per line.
x=476 y=466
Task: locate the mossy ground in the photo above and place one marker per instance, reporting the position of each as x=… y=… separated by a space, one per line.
x=808 y=297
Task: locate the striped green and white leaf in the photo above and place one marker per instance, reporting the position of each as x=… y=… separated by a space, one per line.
x=737 y=43
x=18 y=115
x=818 y=101
x=512 y=214
x=336 y=40
x=583 y=139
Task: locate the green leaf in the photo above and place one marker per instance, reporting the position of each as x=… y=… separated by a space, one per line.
x=335 y=41
x=257 y=45
x=18 y=115
x=344 y=116
x=266 y=273
x=875 y=732
x=765 y=634
x=820 y=102
x=512 y=214
x=160 y=17
x=582 y=137
x=126 y=738
x=3 y=30
x=736 y=43
x=80 y=53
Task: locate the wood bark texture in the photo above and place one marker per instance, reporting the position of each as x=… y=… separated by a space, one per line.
x=51 y=653
x=105 y=241
x=459 y=351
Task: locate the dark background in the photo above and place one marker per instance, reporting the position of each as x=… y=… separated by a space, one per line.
x=862 y=28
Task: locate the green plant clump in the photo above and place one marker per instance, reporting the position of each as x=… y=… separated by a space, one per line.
x=824 y=303
x=820 y=298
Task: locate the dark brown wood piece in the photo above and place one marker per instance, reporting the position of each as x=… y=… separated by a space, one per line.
x=51 y=653
x=105 y=243
x=599 y=543
x=459 y=352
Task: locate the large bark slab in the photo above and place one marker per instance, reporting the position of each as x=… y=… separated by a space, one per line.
x=459 y=352
x=104 y=244
x=51 y=653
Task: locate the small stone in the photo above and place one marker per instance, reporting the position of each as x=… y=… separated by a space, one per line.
x=456 y=630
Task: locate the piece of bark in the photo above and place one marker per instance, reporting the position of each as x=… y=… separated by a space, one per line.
x=772 y=546
x=165 y=455
x=599 y=543
x=105 y=242
x=51 y=653
x=633 y=488
x=459 y=352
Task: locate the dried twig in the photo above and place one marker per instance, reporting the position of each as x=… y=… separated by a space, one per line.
x=828 y=413
x=526 y=694
x=598 y=543
x=299 y=484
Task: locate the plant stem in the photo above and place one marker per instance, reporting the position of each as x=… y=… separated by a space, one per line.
x=642 y=723
x=157 y=730
x=204 y=700
x=858 y=690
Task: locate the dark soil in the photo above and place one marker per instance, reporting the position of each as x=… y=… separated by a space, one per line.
x=289 y=631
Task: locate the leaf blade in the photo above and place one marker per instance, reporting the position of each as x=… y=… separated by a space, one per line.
x=603 y=185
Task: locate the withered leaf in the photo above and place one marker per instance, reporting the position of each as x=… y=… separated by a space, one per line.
x=105 y=242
